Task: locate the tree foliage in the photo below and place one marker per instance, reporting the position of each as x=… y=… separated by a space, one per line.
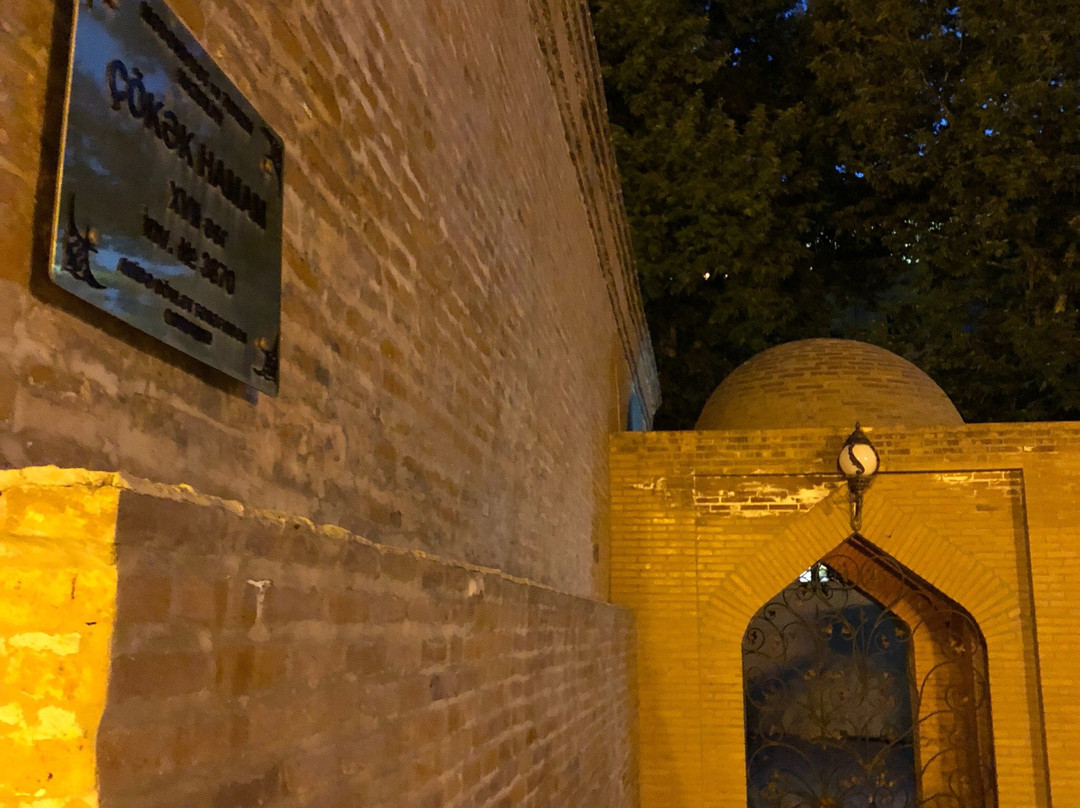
x=905 y=172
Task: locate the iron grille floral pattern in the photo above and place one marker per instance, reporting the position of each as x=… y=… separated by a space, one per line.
x=866 y=687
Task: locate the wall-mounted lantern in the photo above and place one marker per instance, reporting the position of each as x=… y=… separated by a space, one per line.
x=858 y=462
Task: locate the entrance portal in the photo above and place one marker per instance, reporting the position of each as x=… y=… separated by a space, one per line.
x=865 y=686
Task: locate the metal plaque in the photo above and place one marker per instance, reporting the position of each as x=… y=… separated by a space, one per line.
x=168 y=211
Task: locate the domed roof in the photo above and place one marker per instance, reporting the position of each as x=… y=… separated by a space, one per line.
x=827 y=383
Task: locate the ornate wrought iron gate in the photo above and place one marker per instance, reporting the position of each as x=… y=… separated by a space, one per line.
x=866 y=687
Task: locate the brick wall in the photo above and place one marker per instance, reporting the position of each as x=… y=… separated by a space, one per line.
x=460 y=332
x=57 y=603
x=257 y=659
x=709 y=525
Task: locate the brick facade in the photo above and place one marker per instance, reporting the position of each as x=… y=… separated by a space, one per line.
x=257 y=659
x=710 y=525
x=460 y=327
x=461 y=332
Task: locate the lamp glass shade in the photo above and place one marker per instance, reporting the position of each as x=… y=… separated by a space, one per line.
x=858 y=460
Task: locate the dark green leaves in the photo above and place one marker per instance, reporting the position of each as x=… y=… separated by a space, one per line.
x=905 y=172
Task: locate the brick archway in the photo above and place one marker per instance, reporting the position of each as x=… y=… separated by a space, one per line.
x=957 y=573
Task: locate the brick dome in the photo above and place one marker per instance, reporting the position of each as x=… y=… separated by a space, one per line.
x=827 y=383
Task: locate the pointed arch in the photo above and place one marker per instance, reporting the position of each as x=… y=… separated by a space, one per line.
x=727 y=604
x=863 y=684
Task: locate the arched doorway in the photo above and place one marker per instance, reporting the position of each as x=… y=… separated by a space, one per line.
x=865 y=686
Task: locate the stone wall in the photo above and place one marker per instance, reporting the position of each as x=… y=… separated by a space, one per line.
x=257 y=659
x=460 y=330
x=709 y=526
